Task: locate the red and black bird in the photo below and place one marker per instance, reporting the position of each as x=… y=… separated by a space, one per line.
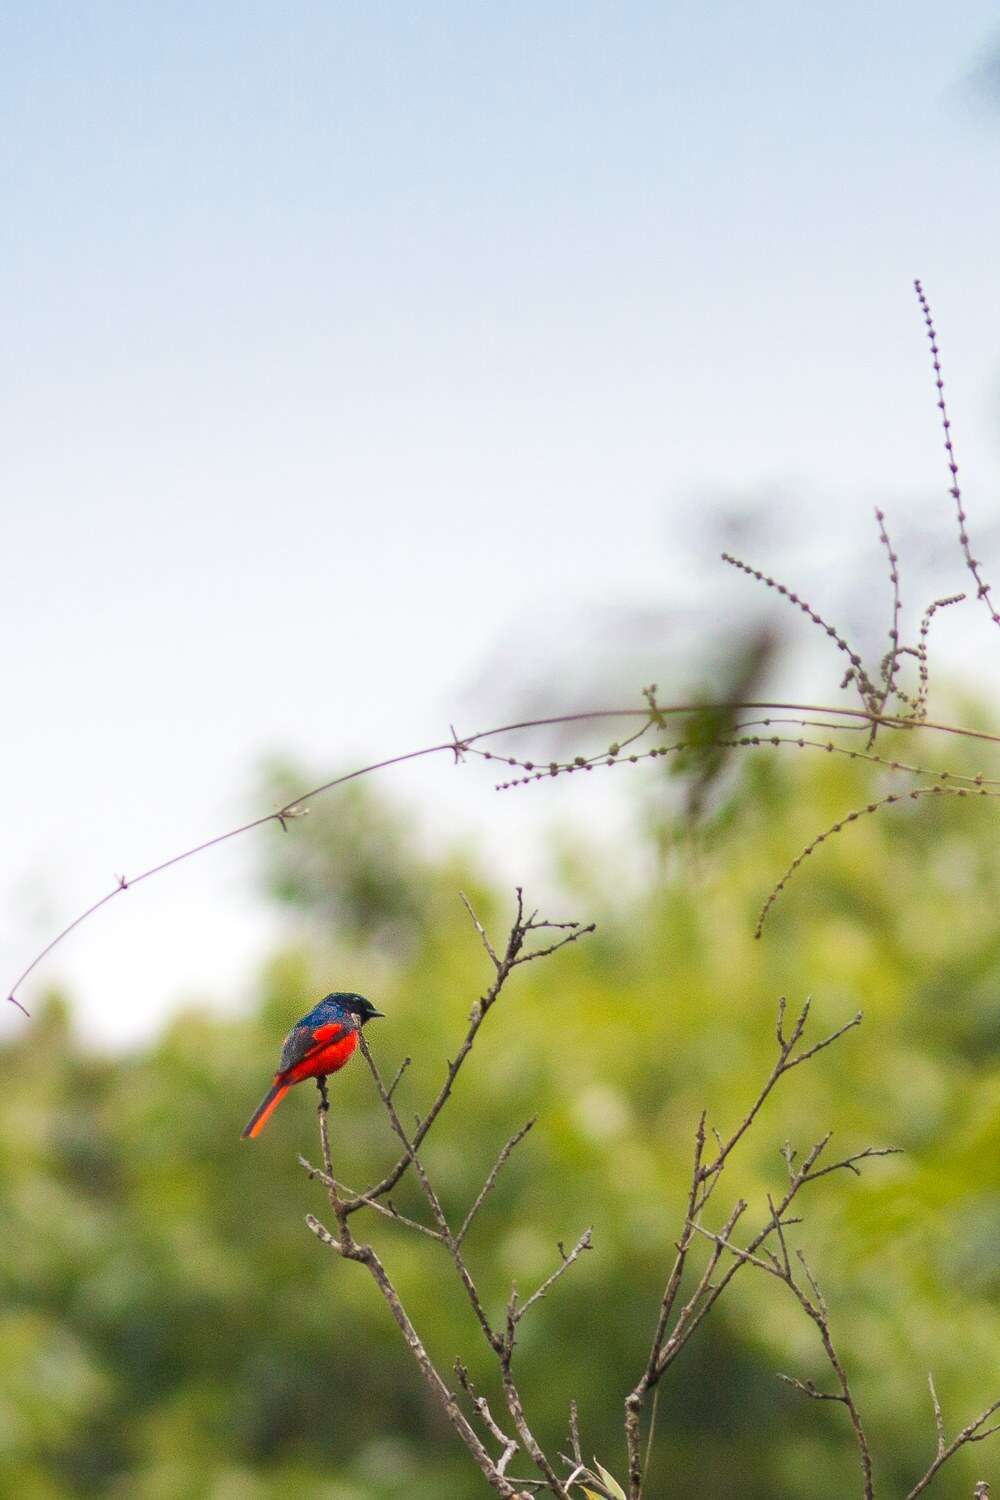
x=316 y=1046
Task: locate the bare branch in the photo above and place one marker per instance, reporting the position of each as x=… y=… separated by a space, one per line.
x=480 y=929
x=388 y=1209
x=348 y=1248
x=508 y=1444
x=323 y=1111
x=722 y=1242
x=344 y=1244
x=677 y=1270
x=585 y=1242
x=703 y=1295
x=505 y=966
x=572 y=937
x=938 y=1418
x=444 y=1229
x=814 y=1306
x=503 y=1343
x=975 y=1431
x=850 y=1163
x=827 y=1040
x=661 y=1353
x=399 y=1074
x=786 y=1060
x=704 y=1178
x=516 y=1408
x=495 y=1170
x=808 y=1389
x=574 y=1433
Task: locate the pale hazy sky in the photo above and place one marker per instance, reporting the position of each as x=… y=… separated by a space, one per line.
x=354 y=347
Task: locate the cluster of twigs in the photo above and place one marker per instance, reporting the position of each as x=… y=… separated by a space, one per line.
x=694 y=1284
x=499 y=1333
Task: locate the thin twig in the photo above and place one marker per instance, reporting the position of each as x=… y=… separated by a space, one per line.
x=938 y=1418
x=346 y=1246
x=491 y=1180
x=504 y=967
x=786 y=1061
x=973 y=1432
x=815 y=1308
x=508 y=1444
x=891 y=661
x=705 y=1176
x=388 y=1209
x=399 y=1074
x=502 y=1343
x=971 y=562
x=852 y=817
x=869 y=694
x=430 y=1193
x=585 y=1242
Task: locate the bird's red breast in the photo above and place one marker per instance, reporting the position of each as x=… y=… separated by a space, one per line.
x=329 y=1050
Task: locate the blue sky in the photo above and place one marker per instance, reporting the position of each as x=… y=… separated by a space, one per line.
x=352 y=349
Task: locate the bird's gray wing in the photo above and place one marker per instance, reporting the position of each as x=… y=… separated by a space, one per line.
x=305 y=1039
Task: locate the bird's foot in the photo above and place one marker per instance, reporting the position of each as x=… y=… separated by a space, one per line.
x=324 y=1101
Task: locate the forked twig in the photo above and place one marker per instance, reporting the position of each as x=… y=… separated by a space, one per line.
x=344 y=1204
x=673 y=1331
x=974 y=1432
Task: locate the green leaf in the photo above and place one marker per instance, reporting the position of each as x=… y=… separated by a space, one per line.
x=610 y=1484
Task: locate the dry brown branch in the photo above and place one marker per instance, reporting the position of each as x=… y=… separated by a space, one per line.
x=491 y=1180
x=508 y=1444
x=813 y=1304
x=345 y=1245
x=344 y=1204
x=388 y=1209
x=787 y=1060
x=518 y=1310
x=504 y=966
x=669 y=1338
x=974 y=1432
x=399 y=1074
x=444 y=1229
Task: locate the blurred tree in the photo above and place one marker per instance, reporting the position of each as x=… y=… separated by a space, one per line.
x=171 y=1329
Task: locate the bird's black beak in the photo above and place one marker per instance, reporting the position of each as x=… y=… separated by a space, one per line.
x=375 y=1015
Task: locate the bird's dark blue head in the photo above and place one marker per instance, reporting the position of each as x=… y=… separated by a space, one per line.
x=342 y=1006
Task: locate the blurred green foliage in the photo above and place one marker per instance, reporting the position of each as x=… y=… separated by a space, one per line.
x=170 y=1330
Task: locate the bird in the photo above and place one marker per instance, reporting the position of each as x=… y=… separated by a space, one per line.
x=317 y=1045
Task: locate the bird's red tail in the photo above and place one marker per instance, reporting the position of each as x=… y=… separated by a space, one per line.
x=264 y=1110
